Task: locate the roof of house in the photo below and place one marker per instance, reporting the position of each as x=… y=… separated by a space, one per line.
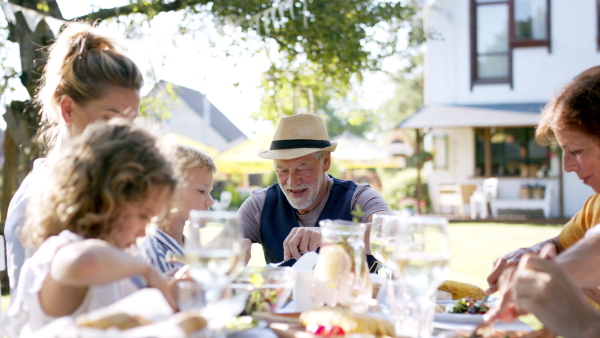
x=218 y=120
x=492 y=115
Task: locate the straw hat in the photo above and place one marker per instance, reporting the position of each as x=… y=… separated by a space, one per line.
x=298 y=135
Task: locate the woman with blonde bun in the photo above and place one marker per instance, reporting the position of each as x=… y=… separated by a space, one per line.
x=87 y=78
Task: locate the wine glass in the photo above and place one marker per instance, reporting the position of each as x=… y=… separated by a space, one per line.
x=383 y=236
x=213 y=249
x=421 y=258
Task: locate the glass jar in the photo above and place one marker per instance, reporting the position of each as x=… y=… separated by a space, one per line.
x=341 y=276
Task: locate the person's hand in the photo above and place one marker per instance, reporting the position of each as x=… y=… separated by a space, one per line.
x=247 y=249
x=513 y=258
x=183 y=273
x=592 y=294
x=502 y=263
x=300 y=241
x=506 y=310
x=500 y=266
x=544 y=289
x=167 y=287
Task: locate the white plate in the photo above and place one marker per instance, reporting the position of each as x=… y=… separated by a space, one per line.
x=261 y=324
x=446 y=302
x=458 y=318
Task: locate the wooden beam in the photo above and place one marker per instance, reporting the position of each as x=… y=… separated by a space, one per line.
x=487 y=150
x=9 y=179
x=419 y=165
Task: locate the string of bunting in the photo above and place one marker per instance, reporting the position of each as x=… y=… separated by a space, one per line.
x=270 y=15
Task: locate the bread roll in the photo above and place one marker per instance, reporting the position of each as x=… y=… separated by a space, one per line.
x=443 y=295
x=189 y=321
x=350 y=322
x=461 y=290
x=121 y=321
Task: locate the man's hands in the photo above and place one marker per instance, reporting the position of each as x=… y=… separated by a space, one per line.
x=300 y=241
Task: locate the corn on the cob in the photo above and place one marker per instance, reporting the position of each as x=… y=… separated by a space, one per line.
x=461 y=290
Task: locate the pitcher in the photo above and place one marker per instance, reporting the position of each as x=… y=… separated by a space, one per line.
x=341 y=276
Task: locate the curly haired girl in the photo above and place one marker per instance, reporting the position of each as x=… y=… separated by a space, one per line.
x=102 y=190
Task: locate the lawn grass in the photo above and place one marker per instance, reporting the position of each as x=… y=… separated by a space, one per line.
x=475 y=246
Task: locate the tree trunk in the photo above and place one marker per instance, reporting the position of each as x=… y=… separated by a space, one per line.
x=22 y=118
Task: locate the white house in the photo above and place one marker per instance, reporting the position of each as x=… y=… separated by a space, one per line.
x=194 y=117
x=489 y=68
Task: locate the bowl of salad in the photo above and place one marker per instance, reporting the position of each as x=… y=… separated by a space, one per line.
x=270 y=288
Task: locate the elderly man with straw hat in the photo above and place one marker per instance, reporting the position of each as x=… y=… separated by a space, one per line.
x=283 y=217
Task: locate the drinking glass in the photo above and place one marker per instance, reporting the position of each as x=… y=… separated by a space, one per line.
x=341 y=276
x=421 y=258
x=383 y=236
x=213 y=249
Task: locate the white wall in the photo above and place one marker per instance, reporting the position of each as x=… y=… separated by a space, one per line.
x=460 y=170
x=537 y=72
x=461 y=160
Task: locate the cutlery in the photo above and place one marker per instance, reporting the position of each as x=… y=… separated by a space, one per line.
x=484 y=325
x=483 y=301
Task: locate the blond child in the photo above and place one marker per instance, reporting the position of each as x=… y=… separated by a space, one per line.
x=167 y=238
x=103 y=188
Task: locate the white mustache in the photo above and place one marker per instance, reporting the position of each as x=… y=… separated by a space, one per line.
x=301 y=186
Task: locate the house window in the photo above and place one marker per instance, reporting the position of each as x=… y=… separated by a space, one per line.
x=514 y=152
x=498 y=26
x=531 y=23
x=492 y=41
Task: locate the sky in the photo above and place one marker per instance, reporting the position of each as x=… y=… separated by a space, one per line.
x=231 y=83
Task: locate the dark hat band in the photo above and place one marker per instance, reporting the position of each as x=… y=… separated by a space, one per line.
x=293 y=144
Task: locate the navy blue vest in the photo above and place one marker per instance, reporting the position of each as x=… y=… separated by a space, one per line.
x=279 y=217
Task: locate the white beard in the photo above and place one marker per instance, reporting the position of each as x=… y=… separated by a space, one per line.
x=308 y=200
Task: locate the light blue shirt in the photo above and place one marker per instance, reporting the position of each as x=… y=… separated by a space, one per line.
x=154 y=250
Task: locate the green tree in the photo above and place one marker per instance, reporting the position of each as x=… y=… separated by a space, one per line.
x=320 y=48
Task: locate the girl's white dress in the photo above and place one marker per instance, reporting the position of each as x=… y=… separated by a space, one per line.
x=25 y=314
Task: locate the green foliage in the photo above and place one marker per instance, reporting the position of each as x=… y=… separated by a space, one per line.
x=401 y=186
x=421 y=157
x=318 y=60
x=155 y=107
x=237 y=198
x=357 y=213
x=269 y=179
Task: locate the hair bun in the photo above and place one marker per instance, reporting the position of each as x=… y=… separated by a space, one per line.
x=85 y=41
